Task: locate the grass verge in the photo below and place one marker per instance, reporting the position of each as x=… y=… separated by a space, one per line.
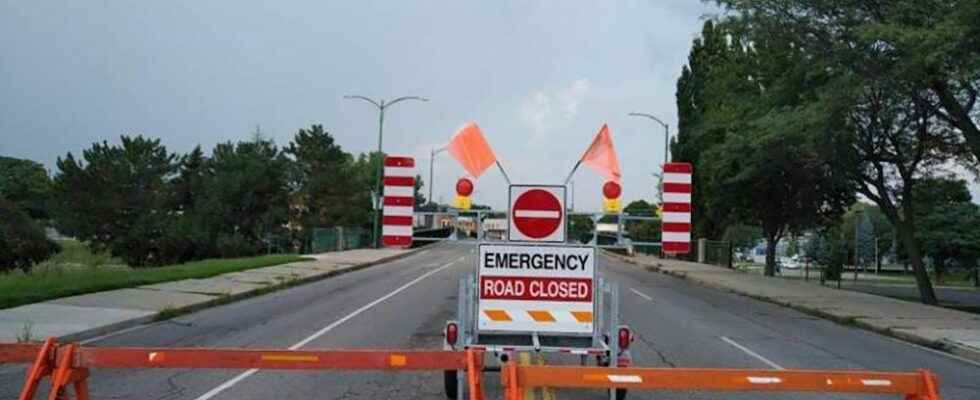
x=51 y=283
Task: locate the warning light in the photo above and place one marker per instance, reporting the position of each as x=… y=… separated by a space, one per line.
x=452 y=333
x=464 y=187
x=612 y=190
x=625 y=337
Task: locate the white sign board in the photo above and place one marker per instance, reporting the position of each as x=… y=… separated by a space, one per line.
x=536 y=288
x=537 y=213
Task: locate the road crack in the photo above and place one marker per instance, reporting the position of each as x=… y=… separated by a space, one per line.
x=660 y=354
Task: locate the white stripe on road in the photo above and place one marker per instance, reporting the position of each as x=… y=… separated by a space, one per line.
x=536 y=214
x=233 y=381
x=638 y=293
x=751 y=353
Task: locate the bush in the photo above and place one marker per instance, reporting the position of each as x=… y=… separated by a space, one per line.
x=22 y=241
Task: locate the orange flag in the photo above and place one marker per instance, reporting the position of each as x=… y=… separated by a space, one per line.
x=601 y=156
x=471 y=149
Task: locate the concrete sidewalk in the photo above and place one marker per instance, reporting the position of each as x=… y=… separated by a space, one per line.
x=89 y=315
x=954 y=331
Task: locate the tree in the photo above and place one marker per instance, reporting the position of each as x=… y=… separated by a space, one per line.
x=642 y=230
x=420 y=200
x=889 y=129
x=949 y=224
x=22 y=242
x=26 y=184
x=117 y=198
x=247 y=197
x=319 y=182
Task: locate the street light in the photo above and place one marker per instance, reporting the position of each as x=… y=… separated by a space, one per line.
x=381 y=105
x=432 y=158
x=666 y=139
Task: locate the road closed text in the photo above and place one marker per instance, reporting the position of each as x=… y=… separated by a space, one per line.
x=537 y=289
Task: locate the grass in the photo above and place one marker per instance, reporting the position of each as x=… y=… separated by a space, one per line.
x=77 y=271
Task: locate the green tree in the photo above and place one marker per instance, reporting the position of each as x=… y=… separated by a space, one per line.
x=118 y=198
x=247 y=196
x=949 y=223
x=26 y=184
x=22 y=242
x=319 y=181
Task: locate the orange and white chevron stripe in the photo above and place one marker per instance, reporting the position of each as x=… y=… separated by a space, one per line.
x=539 y=316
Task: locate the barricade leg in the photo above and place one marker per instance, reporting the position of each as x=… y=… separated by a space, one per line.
x=474 y=373
x=508 y=377
x=930 y=385
x=66 y=373
x=38 y=370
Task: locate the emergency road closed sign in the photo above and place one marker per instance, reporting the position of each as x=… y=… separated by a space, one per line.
x=536 y=288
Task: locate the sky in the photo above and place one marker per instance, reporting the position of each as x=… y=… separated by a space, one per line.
x=540 y=78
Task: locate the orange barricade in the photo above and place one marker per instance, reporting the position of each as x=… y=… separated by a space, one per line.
x=921 y=385
x=68 y=365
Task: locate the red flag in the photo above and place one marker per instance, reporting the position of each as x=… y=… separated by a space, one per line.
x=471 y=149
x=601 y=156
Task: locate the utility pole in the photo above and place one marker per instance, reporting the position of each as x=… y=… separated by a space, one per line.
x=381 y=105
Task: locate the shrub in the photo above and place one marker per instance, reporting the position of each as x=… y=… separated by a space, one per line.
x=22 y=241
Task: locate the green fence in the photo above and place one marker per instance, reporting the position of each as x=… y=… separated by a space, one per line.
x=339 y=238
x=717 y=252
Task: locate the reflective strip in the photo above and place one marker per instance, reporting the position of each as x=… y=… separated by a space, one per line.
x=624 y=378
x=292 y=358
x=497 y=315
x=396 y=230
x=673 y=177
x=399 y=191
x=398 y=211
x=876 y=382
x=763 y=380
x=399 y=171
x=582 y=316
x=675 y=237
x=541 y=316
x=536 y=214
x=677 y=197
x=677 y=217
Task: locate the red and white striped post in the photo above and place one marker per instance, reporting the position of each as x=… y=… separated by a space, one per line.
x=676 y=217
x=399 y=201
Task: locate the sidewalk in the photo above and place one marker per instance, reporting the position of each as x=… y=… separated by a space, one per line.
x=90 y=315
x=954 y=331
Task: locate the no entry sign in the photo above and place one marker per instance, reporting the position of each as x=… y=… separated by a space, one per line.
x=537 y=213
x=536 y=288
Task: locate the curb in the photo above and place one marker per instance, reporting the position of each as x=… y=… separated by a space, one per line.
x=944 y=346
x=221 y=300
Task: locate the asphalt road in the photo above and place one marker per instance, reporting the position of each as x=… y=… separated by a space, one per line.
x=405 y=303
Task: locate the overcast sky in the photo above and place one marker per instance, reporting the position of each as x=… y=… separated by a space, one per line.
x=540 y=77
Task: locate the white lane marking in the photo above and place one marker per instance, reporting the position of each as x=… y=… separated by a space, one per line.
x=748 y=351
x=233 y=381
x=536 y=214
x=639 y=293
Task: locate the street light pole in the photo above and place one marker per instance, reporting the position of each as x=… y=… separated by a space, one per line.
x=666 y=141
x=381 y=105
x=432 y=158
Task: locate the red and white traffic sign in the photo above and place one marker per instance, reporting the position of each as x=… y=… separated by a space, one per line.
x=676 y=223
x=536 y=288
x=537 y=213
x=399 y=201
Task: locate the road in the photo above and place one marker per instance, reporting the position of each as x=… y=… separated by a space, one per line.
x=405 y=303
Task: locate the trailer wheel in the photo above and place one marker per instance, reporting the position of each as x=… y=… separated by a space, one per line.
x=451 y=384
